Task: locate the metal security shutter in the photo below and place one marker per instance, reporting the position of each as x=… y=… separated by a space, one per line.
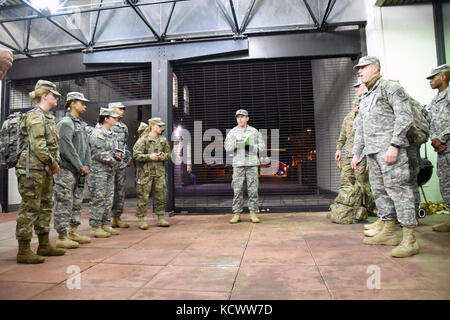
x=278 y=94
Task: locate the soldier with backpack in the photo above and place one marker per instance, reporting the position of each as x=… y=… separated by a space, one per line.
x=37 y=164
x=381 y=130
x=438 y=113
x=70 y=181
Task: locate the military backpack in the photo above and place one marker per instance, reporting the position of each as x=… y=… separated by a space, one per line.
x=11 y=141
x=349 y=205
x=419 y=132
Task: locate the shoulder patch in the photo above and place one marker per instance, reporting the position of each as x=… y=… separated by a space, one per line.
x=36 y=120
x=101 y=136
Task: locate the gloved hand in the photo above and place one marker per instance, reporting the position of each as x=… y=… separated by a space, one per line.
x=248 y=144
x=438 y=145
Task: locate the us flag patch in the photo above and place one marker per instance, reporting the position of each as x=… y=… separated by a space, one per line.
x=100 y=136
x=36 y=120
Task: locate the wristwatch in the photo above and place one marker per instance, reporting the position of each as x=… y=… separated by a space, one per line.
x=395 y=145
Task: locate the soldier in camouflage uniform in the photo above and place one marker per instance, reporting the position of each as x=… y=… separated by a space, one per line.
x=104 y=163
x=346 y=136
x=438 y=114
x=75 y=163
x=246 y=142
x=37 y=164
x=150 y=152
x=120 y=131
x=384 y=119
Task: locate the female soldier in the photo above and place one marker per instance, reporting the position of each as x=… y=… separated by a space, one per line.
x=37 y=163
x=104 y=162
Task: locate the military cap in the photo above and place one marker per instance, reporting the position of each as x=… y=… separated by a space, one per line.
x=116 y=105
x=156 y=121
x=439 y=69
x=108 y=112
x=364 y=61
x=242 y=111
x=47 y=85
x=76 y=96
x=358 y=83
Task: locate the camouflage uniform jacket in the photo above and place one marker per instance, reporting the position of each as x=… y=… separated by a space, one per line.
x=384 y=117
x=101 y=142
x=39 y=129
x=247 y=158
x=438 y=114
x=144 y=147
x=120 y=131
x=73 y=143
x=347 y=134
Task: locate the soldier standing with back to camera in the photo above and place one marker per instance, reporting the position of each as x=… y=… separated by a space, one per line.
x=150 y=152
x=245 y=142
x=120 y=131
x=104 y=163
x=37 y=164
x=69 y=182
x=385 y=118
x=438 y=114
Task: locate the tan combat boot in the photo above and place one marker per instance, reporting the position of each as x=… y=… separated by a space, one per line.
x=376 y=224
x=408 y=247
x=110 y=230
x=117 y=223
x=142 y=224
x=443 y=227
x=25 y=255
x=73 y=235
x=46 y=249
x=64 y=242
x=253 y=216
x=385 y=237
x=162 y=222
x=375 y=230
x=236 y=218
x=98 y=232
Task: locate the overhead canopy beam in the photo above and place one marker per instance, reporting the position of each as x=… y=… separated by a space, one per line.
x=163 y=36
x=177 y=51
x=311 y=13
x=15 y=41
x=91 y=43
x=144 y=19
x=227 y=16
x=247 y=16
x=330 y=6
x=54 y=23
x=234 y=16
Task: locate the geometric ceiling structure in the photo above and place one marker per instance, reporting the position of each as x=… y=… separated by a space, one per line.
x=41 y=27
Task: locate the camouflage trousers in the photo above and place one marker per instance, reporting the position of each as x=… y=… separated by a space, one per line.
x=350 y=176
x=68 y=201
x=119 y=193
x=101 y=188
x=35 y=209
x=392 y=188
x=443 y=172
x=240 y=174
x=144 y=189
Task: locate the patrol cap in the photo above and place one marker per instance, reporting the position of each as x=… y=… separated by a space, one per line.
x=358 y=83
x=156 y=121
x=108 y=112
x=116 y=105
x=47 y=85
x=364 y=61
x=76 y=96
x=439 y=69
x=242 y=111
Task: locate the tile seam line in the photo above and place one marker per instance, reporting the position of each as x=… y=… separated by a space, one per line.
x=242 y=258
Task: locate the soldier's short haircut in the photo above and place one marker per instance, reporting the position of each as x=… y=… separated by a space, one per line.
x=101 y=119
